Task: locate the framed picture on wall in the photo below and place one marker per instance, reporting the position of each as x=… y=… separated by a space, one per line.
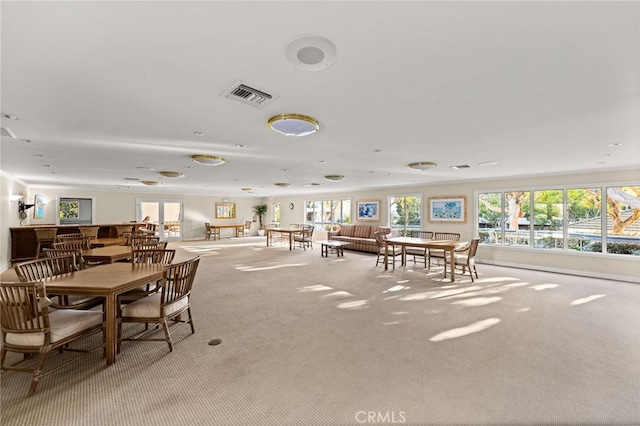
x=448 y=209
x=225 y=210
x=38 y=211
x=368 y=210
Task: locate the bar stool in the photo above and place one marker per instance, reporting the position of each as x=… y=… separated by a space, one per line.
x=90 y=232
x=45 y=236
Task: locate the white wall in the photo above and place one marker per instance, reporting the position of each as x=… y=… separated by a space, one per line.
x=115 y=207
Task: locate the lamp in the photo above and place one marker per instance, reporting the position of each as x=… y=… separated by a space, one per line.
x=421 y=166
x=293 y=124
x=172 y=175
x=208 y=160
x=334 y=178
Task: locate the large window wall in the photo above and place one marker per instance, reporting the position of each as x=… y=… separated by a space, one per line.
x=323 y=214
x=567 y=219
x=405 y=213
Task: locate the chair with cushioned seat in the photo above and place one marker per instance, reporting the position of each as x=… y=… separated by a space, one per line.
x=167 y=304
x=437 y=253
x=30 y=327
x=394 y=251
x=465 y=258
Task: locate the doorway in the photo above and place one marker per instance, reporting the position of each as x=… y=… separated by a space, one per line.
x=166 y=214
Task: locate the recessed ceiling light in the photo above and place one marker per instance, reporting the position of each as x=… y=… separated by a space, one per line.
x=172 y=175
x=293 y=124
x=462 y=166
x=377 y=150
x=198 y=133
x=284 y=170
x=607 y=155
x=208 y=160
x=312 y=184
x=601 y=162
x=488 y=163
x=239 y=145
x=26 y=141
x=322 y=162
x=421 y=166
x=334 y=178
x=247 y=189
x=11 y=117
x=281 y=184
x=615 y=144
x=151 y=182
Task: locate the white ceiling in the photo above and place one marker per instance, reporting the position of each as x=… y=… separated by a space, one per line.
x=113 y=90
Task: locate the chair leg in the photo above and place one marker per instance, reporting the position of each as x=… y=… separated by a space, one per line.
x=37 y=373
x=193 y=330
x=167 y=335
x=38 y=250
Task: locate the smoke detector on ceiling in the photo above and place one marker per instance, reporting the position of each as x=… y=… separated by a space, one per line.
x=311 y=53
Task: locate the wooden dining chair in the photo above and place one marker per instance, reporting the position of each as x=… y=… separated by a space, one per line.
x=45 y=237
x=394 y=251
x=438 y=254
x=83 y=244
x=69 y=237
x=167 y=304
x=58 y=252
x=418 y=253
x=247 y=228
x=30 y=327
x=465 y=258
x=304 y=238
x=47 y=267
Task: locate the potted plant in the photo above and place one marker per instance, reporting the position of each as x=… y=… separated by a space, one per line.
x=260 y=210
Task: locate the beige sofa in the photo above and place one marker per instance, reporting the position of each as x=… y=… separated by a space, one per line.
x=360 y=235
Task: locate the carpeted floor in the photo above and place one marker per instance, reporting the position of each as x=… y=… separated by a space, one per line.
x=326 y=341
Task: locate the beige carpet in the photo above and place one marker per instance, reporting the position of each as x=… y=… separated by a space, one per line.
x=315 y=341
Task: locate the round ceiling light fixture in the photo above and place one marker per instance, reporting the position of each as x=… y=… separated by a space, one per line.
x=247 y=190
x=151 y=182
x=422 y=165
x=293 y=124
x=172 y=175
x=311 y=53
x=208 y=160
x=281 y=184
x=334 y=178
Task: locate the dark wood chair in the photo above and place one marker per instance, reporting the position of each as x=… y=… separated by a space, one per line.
x=29 y=327
x=304 y=238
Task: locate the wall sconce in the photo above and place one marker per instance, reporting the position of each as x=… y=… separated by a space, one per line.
x=13 y=198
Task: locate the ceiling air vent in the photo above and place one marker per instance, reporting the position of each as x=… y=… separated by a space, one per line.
x=249 y=95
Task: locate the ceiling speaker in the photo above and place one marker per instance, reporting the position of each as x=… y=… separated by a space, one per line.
x=311 y=53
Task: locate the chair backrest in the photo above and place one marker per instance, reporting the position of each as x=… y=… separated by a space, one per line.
x=83 y=244
x=45 y=234
x=46 y=267
x=380 y=237
x=428 y=235
x=449 y=236
x=160 y=245
x=24 y=310
x=473 y=247
x=123 y=228
x=70 y=237
x=247 y=224
x=207 y=226
x=177 y=280
x=56 y=252
x=89 y=231
x=164 y=257
x=144 y=241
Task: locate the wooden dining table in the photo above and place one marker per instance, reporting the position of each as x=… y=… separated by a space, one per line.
x=291 y=231
x=104 y=242
x=239 y=227
x=106 y=281
x=404 y=242
x=107 y=254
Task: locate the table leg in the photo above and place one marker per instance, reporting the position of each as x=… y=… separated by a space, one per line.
x=453 y=264
x=386 y=256
x=290 y=240
x=110 y=331
x=268 y=236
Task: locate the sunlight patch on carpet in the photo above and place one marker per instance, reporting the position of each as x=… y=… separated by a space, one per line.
x=466 y=330
x=318 y=287
x=540 y=287
x=587 y=299
x=355 y=305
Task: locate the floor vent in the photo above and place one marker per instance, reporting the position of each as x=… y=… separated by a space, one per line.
x=249 y=95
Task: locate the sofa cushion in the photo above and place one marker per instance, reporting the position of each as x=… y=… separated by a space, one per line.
x=347 y=230
x=362 y=231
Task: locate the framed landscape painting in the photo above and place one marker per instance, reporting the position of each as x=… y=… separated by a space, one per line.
x=368 y=210
x=448 y=209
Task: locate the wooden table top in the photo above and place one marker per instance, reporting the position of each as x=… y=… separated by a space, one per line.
x=105 y=279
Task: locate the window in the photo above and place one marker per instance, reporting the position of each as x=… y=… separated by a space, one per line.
x=404 y=213
x=75 y=211
x=322 y=214
x=570 y=219
x=69 y=209
x=276 y=212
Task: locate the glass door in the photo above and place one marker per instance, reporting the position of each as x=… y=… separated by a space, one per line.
x=166 y=215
